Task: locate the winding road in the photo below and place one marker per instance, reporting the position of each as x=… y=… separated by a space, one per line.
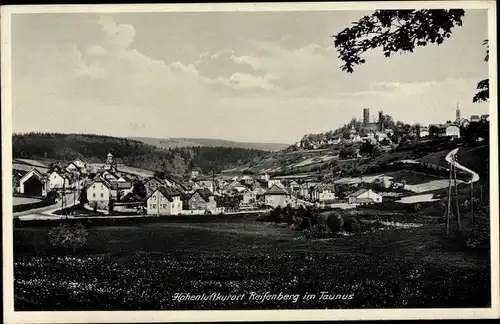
x=449 y=158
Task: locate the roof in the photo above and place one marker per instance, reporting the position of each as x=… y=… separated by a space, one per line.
x=98 y=178
x=323 y=186
x=123 y=185
x=109 y=154
x=153 y=178
x=276 y=190
x=474 y=116
x=204 y=193
x=167 y=192
x=236 y=184
x=36 y=173
x=358 y=193
x=366 y=200
x=125 y=178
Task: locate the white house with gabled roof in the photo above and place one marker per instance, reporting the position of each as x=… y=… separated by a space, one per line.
x=277 y=196
x=164 y=201
x=99 y=193
x=56 y=180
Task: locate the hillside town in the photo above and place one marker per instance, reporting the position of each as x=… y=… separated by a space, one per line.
x=107 y=188
x=111 y=188
x=376 y=132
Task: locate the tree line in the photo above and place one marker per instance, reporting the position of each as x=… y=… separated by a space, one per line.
x=94 y=148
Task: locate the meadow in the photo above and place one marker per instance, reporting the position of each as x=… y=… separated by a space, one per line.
x=142 y=266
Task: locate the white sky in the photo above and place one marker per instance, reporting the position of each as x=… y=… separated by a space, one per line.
x=247 y=76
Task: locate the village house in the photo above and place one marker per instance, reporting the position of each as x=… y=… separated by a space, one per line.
x=452 y=130
x=110 y=175
x=78 y=167
x=208 y=185
x=152 y=184
x=258 y=190
x=380 y=136
x=423 y=132
x=277 y=196
x=474 y=119
x=246 y=180
x=323 y=192
x=195 y=173
x=364 y=196
x=264 y=177
x=235 y=187
x=294 y=186
x=164 y=201
x=202 y=199
x=56 y=180
x=79 y=163
x=333 y=141
x=272 y=182
x=16 y=177
x=249 y=197
x=99 y=193
x=33 y=183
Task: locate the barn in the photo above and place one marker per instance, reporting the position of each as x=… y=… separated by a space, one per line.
x=33 y=184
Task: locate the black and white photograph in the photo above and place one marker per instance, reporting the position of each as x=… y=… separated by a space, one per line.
x=318 y=158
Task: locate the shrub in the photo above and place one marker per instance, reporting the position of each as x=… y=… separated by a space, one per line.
x=417 y=207
x=352 y=225
x=68 y=237
x=335 y=222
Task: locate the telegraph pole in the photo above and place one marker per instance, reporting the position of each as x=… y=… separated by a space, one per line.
x=63 y=202
x=472 y=200
x=456 y=191
x=449 y=201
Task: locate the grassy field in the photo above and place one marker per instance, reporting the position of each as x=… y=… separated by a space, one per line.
x=142 y=266
x=23 y=200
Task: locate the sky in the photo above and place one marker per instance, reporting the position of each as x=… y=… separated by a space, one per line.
x=242 y=76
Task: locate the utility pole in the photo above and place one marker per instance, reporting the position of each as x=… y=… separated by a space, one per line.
x=472 y=200
x=449 y=201
x=456 y=192
x=63 y=202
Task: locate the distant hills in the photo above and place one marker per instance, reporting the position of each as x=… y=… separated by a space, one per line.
x=94 y=148
x=175 y=142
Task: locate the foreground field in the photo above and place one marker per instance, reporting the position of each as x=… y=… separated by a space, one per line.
x=23 y=200
x=142 y=267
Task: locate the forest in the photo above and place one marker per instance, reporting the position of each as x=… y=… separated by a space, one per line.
x=94 y=148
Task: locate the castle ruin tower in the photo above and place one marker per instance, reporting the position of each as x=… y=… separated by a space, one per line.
x=381 y=120
x=366 y=116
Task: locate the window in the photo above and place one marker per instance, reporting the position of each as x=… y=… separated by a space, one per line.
x=93 y=195
x=153 y=205
x=93 y=187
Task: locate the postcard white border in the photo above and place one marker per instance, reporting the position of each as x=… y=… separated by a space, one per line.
x=247 y=315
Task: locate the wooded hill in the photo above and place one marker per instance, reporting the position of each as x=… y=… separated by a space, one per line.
x=175 y=142
x=94 y=148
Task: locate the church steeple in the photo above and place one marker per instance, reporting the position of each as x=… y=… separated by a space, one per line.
x=457 y=113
